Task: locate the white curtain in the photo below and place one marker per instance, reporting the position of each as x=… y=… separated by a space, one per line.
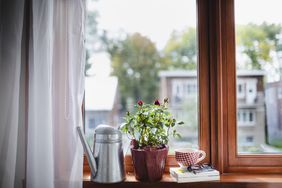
x=10 y=75
x=42 y=85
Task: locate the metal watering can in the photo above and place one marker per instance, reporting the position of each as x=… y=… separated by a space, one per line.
x=106 y=161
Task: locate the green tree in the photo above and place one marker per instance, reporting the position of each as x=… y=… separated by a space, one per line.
x=257 y=41
x=190 y=106
x=135 y=61
x=180 y=51
x=91 y=36
x=190 y=117
x=87 y=64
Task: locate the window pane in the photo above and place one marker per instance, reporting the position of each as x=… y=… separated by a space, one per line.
x=141 y=50
x=259 y=76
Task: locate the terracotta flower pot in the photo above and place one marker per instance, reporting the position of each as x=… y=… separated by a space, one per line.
x=149 y=164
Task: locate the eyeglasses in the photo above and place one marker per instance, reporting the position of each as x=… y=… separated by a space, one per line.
x=200 y=168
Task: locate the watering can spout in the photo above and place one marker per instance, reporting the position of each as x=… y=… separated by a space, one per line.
x=89 y=154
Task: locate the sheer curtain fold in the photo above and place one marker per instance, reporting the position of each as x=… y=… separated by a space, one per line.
x=55 y=88
x=68 y=91
x=40 y=160
x=10 y=70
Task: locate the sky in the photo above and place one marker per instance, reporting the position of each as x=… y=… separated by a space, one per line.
x=155 y=19
x=258 y=11
x=158 y=18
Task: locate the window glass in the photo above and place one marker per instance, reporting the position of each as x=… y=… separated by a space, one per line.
x=259 y=76
x=141 y=50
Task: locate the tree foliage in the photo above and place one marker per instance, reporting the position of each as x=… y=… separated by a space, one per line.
x=180 y=51
x=91 y=35
x=87 y=64
x=135 y=61
x=258 y=41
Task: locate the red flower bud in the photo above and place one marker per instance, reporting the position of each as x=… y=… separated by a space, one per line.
x=140 y=102
x=134 y=144
x=157 y=102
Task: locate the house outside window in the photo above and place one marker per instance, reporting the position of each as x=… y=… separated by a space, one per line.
x=91 y=123
x=246 y=117
x=249 y=139
x=241 y=89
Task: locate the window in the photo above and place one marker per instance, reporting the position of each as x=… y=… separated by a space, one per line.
x=249 y=139
x=233 y=101
x=184 y=88
x=248 y=148
x=251 y=119
x=260 y=70
x=133 y=56
x=240 y=89
x=246 y=117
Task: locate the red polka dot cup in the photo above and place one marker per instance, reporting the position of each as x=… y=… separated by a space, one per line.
x=187 y=156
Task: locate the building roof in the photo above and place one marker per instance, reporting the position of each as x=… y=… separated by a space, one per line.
x=193 y=73
x=100 y=93
x=178 y=73
x=251 y=73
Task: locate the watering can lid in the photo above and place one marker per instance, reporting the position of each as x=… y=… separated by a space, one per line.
x=106 y=133
x=106 y=129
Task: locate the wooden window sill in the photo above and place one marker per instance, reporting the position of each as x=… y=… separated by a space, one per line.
x=226 y=180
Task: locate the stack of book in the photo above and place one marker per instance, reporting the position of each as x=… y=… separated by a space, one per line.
x=182 y=176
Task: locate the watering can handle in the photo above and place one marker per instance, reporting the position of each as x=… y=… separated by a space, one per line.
x=89 y=154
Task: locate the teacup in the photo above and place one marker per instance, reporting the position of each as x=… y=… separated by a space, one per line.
x=188 y=156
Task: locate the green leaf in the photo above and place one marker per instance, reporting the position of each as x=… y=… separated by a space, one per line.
x=150 y=125
x=180 y=123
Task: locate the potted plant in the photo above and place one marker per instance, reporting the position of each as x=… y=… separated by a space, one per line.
x=149 y=128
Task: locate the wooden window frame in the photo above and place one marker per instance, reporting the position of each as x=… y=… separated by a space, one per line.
x=225 y=155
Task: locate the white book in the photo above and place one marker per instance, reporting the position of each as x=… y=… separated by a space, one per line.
x=180 y=173
x=196 y=179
